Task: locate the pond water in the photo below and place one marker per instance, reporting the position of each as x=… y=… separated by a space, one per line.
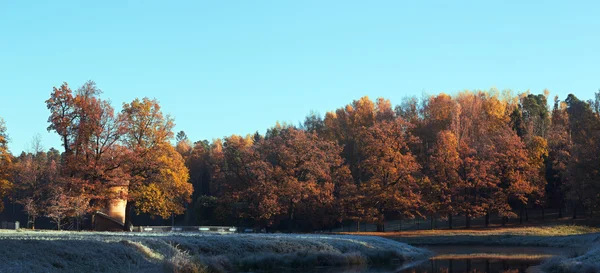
x=484 y=259
x=473 y=266
x=469 y=259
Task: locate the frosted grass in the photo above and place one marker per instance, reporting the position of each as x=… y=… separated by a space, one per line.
x=189 y=252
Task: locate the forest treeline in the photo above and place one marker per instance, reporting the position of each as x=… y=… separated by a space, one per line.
x=472 y=154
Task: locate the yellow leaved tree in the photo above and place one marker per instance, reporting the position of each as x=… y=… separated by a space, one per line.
x=159 y=179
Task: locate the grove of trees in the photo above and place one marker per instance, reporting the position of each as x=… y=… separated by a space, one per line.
x=102 y=149
x=472 y=154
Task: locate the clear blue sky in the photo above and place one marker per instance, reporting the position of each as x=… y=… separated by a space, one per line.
x=224 y=67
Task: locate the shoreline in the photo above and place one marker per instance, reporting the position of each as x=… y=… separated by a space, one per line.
x=583 y=243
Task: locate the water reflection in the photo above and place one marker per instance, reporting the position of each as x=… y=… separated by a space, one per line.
x=442 y=266
x=472 y=266
x=462 y=259
x=466 y=259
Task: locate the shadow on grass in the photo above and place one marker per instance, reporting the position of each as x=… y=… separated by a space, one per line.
x=72 y=256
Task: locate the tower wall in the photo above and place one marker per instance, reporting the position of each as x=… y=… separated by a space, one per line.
x=116 y=207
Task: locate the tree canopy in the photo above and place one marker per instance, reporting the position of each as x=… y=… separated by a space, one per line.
x=473 y=153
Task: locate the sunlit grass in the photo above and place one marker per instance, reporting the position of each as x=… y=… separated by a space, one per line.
x=557 y=230
x=493 y=256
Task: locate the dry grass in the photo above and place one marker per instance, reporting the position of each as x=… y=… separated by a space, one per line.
x=493 y=256
x=550 y=236
x=558 y=230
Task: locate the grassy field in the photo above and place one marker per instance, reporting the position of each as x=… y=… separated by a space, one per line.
x=29 y=251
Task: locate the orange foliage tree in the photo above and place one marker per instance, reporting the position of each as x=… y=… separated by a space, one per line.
x=441 y=187
x=290 y=178
x=474 y=153
x=90 y=133
x=103 y=150
x=6 y=163
x=306 y=173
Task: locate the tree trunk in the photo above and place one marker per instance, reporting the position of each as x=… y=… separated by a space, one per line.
x=560 y=206
x=504 y=218
x=292 y=218
x=432 y=222
x=381 y=223
x=521 y=215
x=487 y=219
x=560 y=212
x=186 y=215
x=574 y=212
x=526 y=214
x=128 y=211
x=468 y=221
x=543 y=211
x=357 y=225
x=449 y=221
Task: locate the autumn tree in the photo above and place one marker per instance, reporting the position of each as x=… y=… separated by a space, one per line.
x=530 y=119
x=5 y=164
x=584 y=170
x=35 y=172
x=290 y=178
x=242 y=180
x=390 y=171
x=515 y=172
x=90 y=133
x=345 y=126
x=58 y=206
x=158 y=182
x=494 y=163
x=183 y=145
x=36 y=175
x=104 y=150
x=440 y=188
x=478 y=184
x=559 y=156
x=473 y=127
x=306 y=172
x=432 y=119
x=199 y=164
